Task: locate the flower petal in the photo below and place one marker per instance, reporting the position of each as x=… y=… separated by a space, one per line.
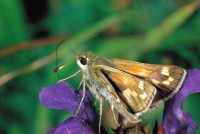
x=176 y=121
x=61 y=96
x=73 y=125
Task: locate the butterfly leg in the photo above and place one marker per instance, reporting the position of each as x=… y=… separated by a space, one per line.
x=113 y=112
x=83 y=96
x=100 y=111
x=70 y=76
x=80 y=83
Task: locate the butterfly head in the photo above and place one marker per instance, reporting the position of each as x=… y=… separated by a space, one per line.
x=84 y=60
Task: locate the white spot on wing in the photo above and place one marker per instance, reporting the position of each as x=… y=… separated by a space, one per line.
x=143 y=96
x=155 y=81
x=170 y=79
x=166 y=82
x=141 y=85
x=165 y=71
x=129 y=93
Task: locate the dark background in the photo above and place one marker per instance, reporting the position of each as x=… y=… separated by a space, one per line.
x=150 y=31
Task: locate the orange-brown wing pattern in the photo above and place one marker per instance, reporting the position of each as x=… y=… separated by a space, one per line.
x=135 y=92
x=167 y=78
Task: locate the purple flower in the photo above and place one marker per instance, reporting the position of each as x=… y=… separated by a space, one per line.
x=61 y=96
x=175 y=121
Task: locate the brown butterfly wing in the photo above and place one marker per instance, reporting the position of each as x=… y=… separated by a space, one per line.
x=134 y=92
x=167 y=78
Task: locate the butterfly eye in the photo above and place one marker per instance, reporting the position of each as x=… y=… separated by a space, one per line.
x=83 y=60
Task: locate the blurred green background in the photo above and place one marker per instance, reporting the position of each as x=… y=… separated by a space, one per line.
x=150 y=31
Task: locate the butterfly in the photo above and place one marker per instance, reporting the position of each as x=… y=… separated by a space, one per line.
x=131 y=88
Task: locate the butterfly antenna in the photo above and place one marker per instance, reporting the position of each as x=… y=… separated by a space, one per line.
x=61 y=67
x=71 y=49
